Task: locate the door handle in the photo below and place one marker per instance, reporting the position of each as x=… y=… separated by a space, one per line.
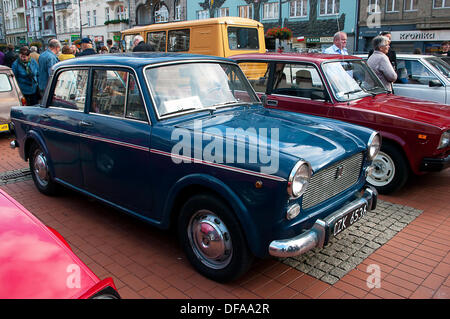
x=44 y=116
x=85 y=124
x=272 y=102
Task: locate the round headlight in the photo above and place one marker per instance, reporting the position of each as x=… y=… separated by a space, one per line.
x=374 y=146
x=299 y=179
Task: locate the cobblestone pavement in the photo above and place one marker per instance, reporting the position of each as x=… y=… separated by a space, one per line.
x=348 y=249
x=148 y=263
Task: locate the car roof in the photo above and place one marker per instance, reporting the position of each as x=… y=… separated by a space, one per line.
x=135 y=59
x=309 y=57
x=4 y=68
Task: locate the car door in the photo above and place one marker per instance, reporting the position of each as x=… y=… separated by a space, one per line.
x=59 y=123
x=297 y=87
x=413 y=80
x=116 y=137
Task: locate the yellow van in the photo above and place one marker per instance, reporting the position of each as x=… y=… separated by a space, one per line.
x=223 y=36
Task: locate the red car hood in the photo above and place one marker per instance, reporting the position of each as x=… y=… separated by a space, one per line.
x=413 y=109
x=34 y=262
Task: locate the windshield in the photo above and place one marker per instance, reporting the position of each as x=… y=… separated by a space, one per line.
x=441 y=66
x=194 y=87
x=351 y=80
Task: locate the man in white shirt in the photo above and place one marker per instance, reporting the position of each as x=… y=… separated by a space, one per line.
x=339 y=44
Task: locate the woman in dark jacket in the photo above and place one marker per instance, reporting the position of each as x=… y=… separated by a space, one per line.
x=26 y=72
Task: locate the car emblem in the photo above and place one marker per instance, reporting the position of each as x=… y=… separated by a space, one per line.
x=339 y=172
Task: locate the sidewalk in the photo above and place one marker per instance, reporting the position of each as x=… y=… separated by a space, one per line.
x=148 y=263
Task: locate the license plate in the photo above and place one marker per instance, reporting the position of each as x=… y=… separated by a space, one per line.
x=349 y=219
x=4 y=127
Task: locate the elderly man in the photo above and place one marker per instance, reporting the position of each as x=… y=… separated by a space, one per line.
x=339 y=44
x=86 y=47
x=46 y=60
x=139 y=45
x=379 y=62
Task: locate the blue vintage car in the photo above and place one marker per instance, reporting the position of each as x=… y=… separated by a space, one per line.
x=183 y=140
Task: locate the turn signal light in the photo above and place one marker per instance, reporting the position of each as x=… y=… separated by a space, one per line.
x=422 y=136
x=23 y=101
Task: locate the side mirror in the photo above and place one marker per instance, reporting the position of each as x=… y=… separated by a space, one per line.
x=263 y=99
x=434 y=83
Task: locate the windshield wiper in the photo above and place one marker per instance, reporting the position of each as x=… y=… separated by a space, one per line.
x=219 y=105
x=352 y=92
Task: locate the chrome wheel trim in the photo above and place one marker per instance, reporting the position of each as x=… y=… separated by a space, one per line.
x=40 y=168
x=210 y=239
x=384 y=170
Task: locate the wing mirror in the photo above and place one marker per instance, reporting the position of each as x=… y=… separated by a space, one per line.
x=434 y=83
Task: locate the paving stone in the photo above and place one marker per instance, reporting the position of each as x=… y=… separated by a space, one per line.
x=329 y=279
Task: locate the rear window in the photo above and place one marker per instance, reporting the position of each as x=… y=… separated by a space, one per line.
x=5 y=85
x=243 y=38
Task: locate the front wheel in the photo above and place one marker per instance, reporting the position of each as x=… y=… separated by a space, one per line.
x=391 y=170
x=212 y=239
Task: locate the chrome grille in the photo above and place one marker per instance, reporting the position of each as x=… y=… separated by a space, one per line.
x=325 y=183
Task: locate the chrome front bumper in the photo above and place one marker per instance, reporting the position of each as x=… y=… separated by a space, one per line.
x=322 y=230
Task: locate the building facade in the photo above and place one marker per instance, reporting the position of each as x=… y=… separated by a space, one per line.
x=313 y=22
x=15 y=22
x=414 y=24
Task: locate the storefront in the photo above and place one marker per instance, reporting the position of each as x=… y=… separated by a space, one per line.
x=318 y=44
x=406 y=39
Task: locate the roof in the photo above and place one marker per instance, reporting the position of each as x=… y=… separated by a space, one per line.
x=221 y=20
x=308 y=57
x=136 y=59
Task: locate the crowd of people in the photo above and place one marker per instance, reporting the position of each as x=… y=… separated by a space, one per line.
x=32 y=70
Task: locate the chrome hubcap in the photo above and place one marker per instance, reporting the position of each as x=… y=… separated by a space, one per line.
x=384 y=170
x=40 y=168
x=210 y=239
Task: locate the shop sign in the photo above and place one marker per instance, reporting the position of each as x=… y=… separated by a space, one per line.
x=74 y=37
x=98 y=38
x=419 y=35
x=116 y=38
x=319 y=40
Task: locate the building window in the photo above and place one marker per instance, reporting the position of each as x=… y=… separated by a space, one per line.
x=94 y=17
x=106 y=14
x=161 y=14
x=222 y=12
x=270 y=10
x=391 y=6
x=121 y=13
x=373 y=6
x=245 y=12
x=329 y=7
x=88 y=16
x=298 y=8
x=410 y=5
x=439 y=4
x=203 y=14
x=177 y=16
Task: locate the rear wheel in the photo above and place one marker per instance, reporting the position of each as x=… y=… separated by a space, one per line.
x=212 y=239
x=40 y=172
x=391 y=170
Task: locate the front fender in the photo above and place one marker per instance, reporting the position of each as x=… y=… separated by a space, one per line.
x=203 y=182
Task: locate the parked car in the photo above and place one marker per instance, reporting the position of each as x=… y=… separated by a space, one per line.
x=37 y=263
x=183 y=140
x=415 y=133
x=10 y=95
x=424 y=77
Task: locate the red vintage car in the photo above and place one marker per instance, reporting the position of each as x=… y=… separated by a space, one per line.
x=416 y=133
x=37 y=263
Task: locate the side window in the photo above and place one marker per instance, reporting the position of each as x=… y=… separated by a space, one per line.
x=70 y=90
x=135 y=104
x=257 y=73
x=178 y=41
x=413 y=72
x=108 y=92
x=300 y=80
x=158 y=40
x=128 y=42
